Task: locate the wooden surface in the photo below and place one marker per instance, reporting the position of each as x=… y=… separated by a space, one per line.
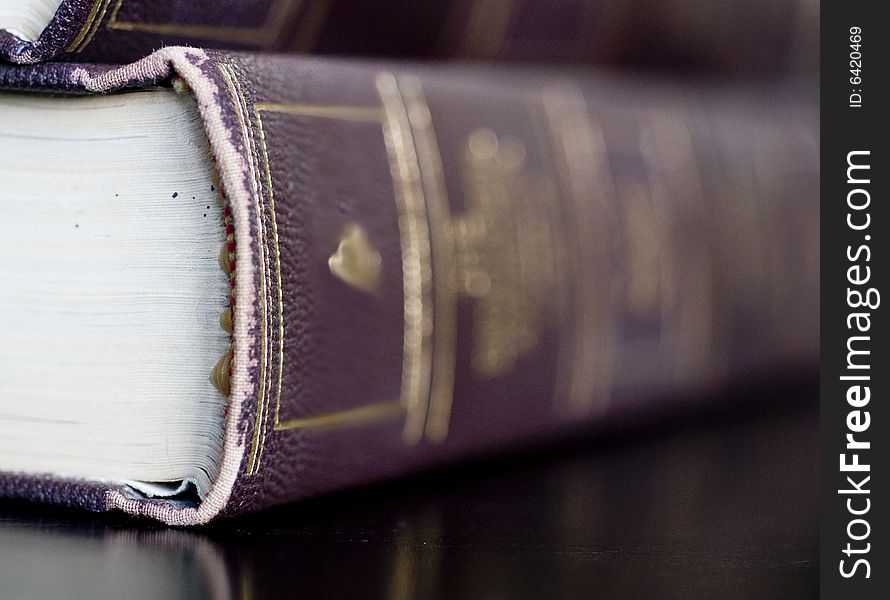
x=720 y=504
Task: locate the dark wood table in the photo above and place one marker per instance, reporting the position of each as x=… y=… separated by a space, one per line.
x=719 y=504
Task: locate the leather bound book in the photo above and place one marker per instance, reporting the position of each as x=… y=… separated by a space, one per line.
x=764 y=37
x=427 y=263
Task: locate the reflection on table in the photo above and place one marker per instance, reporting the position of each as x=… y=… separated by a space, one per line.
x=719 y=504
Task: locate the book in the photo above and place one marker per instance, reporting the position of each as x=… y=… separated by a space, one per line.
x=764 y=38
x=426 y=263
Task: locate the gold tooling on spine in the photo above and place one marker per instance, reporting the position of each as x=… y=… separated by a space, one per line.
x=442 y=244
x=268 y=179
x=362 y=415
x=418 y=183
x=356 y=261
x=94 y=18
x=579 y=151
x=416 y=266
x=241 y=112
x=279 y=15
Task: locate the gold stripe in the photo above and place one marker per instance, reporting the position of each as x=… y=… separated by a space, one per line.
x=266 y=32
x=117 y=8
x=240 y=35
x=88 y=24
x=416 y=267
x=371 y=114
x=229 y=77
x=246 y=581
x=263 y=415
x=268 y=173
x=585 y=377
x=442 y=238
x=354 y=416
x=95 y=28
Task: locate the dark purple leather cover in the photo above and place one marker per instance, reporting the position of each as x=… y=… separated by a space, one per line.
x=767 y=37
x=433 y=263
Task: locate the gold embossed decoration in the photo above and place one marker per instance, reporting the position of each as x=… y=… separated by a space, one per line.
x=356 y=261
x=506 y=251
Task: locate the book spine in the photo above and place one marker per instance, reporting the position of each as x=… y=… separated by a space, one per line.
x=435 y=263
x=457 y=260
x=773 y=36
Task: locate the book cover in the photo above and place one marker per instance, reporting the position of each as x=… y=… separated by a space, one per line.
x=431 y=263
x=766 y=38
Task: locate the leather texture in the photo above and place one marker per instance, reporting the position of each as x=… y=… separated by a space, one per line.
x=706 y=34
x=553 y=251
x=701 y=202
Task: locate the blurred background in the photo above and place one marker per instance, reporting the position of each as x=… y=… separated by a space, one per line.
x=730 y=38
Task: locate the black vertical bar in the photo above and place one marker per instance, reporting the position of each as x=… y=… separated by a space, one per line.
x=855 y=224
